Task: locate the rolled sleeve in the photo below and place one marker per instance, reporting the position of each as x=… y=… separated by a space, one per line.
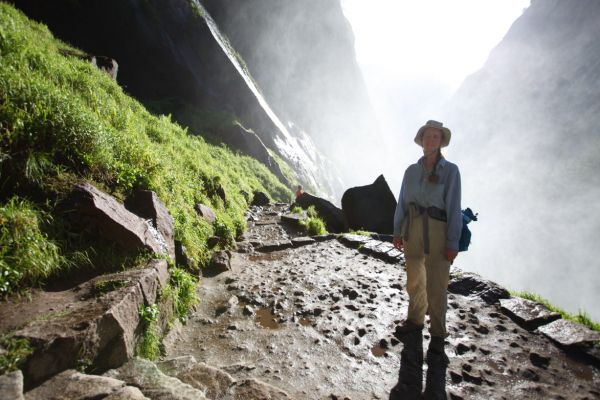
x=400 y=210
x=453 y=210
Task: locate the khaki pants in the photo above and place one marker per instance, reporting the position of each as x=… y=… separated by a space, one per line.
x=427 y=274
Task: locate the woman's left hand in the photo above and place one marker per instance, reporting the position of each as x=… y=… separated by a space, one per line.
x=451 y=254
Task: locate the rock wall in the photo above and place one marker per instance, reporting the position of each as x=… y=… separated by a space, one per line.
x=302 y=55
x=175 y=59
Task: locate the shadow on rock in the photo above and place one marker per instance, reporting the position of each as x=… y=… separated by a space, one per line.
x=410 y=380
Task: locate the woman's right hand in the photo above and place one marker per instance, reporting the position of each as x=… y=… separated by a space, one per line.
x=398 y=242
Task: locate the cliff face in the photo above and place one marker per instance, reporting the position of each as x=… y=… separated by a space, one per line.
x=173 y=57
x=525 y=135
x=302 y=55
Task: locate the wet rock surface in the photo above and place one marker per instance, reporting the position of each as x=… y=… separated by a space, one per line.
x=527 y=313
x=317 y=322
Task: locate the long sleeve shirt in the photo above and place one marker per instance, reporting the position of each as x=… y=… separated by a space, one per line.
x=444 y=194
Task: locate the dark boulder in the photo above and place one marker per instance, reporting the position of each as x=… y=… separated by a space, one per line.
x=470 y=284
x=205 y=212
x=219 y=263
x=260 y=199
x=181 y=257
x=103 y=63
x=332 y=216
x=146 y=204
x=370 y=207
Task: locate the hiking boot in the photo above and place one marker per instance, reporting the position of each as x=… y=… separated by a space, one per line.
x=407 y=327
x=435 y=380
x=437 y=344
x=404 y=391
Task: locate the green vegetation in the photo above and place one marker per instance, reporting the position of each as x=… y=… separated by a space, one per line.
x=297 y=210
x=62 y=121
x=27 y=256
x=16 y=351
x=582 y=317
x=149 y=345
x=313 y=225
x=183 y=286
x=360 y=232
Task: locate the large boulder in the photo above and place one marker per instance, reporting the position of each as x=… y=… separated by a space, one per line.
x=370 y=207
x=332 y=216
x=89 y=206
x=220 y=262
x=146 y=204
x=100 y=329
x=206 y=213
x=71 y=384
x=146 y=376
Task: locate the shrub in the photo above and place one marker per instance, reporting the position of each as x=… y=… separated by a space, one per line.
x=314 y=226
x=297 y=210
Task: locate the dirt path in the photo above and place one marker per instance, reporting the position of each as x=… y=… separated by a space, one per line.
x=318 y=320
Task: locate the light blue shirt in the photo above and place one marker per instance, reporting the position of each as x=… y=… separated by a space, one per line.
x=445 y=194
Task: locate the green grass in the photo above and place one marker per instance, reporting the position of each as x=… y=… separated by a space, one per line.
x=312 y=224
x=27 y=256
x=297 y=210
x=16 y=352
x=62 y=121
x=149 y=346
x=183 y=286
x=360 y=232
x=581 y=317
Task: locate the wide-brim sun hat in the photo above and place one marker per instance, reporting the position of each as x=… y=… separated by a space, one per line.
x=446 y=134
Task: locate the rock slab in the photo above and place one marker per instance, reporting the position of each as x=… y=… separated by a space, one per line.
x=154 y=384
x=146 y=204
x=11 y=385
x=101 y=329
x=114 y=221
x=471 y=284
x=71 y=384
x=528 y=314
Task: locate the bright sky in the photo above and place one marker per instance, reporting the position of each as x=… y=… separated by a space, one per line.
x=429 y=38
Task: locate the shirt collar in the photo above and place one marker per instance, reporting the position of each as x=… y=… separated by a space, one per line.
x=441 y=163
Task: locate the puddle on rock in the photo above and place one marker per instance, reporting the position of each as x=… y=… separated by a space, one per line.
x=378 y=351
x=305 y=321
x=581 y=371
x=266 y=319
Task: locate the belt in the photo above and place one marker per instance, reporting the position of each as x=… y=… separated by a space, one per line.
x=415 y=210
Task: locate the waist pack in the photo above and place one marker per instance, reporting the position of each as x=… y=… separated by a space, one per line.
x=465 y=234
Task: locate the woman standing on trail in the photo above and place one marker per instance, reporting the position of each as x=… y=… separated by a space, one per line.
x=427 y=225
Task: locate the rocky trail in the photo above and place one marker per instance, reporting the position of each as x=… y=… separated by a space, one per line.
x=295 y=317
x=317 y=320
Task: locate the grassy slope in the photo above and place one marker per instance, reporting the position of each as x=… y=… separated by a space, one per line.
x=63 y=121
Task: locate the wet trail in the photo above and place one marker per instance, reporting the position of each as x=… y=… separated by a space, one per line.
x=317 y=320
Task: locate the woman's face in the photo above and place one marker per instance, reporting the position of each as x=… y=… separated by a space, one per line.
x=432 y=140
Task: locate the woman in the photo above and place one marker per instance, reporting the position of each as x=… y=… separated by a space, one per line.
x=427 y=225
